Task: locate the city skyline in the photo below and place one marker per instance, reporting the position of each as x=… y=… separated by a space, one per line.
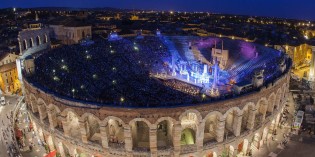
x=280 y=8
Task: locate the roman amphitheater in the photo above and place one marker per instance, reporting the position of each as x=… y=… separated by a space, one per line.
x=76 y=124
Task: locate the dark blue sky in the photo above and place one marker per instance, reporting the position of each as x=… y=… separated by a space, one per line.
x=297 y=9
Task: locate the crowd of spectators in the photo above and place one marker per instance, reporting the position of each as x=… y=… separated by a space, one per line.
x=118 y=73
x=110 y=72
x=183 y=87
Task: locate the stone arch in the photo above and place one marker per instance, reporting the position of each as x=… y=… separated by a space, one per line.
x=45 y=38
x=33 y=104
x=188 y=137
x=140 y=133
x=71 y=125
x=65 y=112
x=41 y=101
x=31 y=42
x=42 y=109
x=37 y=40
x=248 y=116
x=271 y=102
x=211 y=122
x=91 y=127
x=262 y=106
x=54 y=107
x=24 y=44
x=190 y=119
x=164 y=132
x=114 y=131
x=232 y=125
x=83 y=34
x=196 y=112
x=54 y=117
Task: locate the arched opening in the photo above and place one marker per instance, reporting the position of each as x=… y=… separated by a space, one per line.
x=189 y=123
x=92 y=127
x=140 y=135
x=43 y=112
x=35 y=109
x=73 y=125
x=245 y=118
x=59 y=122
x=115 y=134
x=45 y=38
x=188 y=137
x=210 y=131
x=34 y=105
x=260 y=115
x=164 y=134
x=230 y=124
x=31 y=43
x=83 y=34
x=38 y=40
x=24 y=45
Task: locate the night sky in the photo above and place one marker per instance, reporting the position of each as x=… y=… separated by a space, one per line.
x=296 y=9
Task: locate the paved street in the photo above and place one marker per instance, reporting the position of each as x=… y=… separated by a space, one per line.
x=6 y=142
x=6 y=126
x=30 y=137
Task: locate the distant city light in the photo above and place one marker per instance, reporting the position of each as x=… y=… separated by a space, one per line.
x=14 y=9
x=305 y=36
x=122 y=99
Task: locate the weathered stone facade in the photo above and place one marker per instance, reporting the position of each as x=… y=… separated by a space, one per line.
x=33 y=40
x=73 y=127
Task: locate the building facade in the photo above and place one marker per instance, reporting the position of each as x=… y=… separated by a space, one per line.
x=9 y=82
x=299 y=54
x=71 y=35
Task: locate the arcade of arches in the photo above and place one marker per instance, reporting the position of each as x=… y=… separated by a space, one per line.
x=192 y=133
